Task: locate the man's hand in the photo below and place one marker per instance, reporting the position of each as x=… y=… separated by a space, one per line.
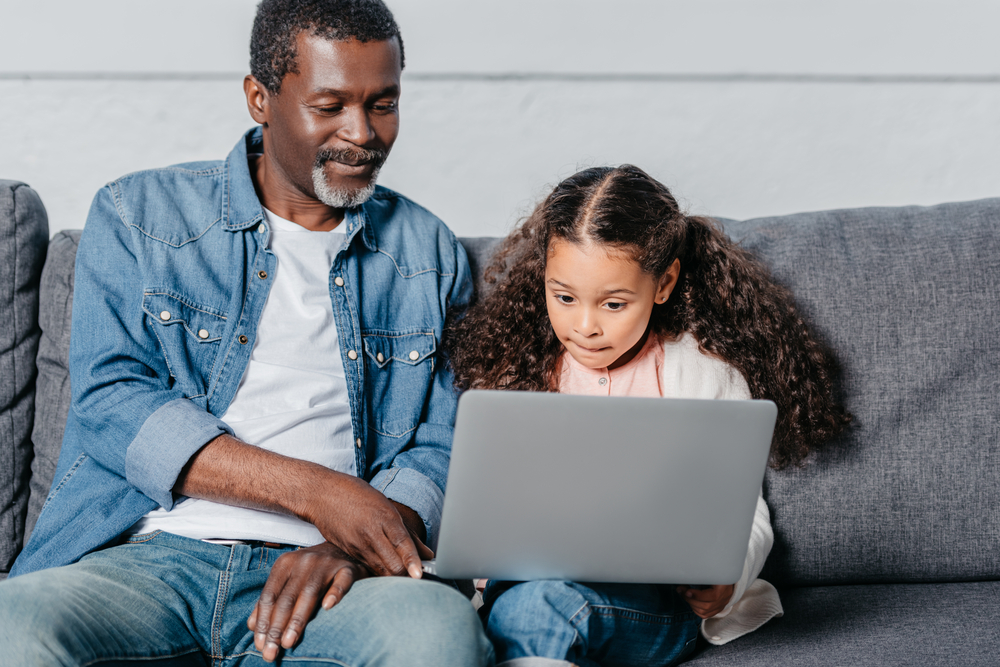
x=370 y=529
x=298 y=582
x=366 y=526
x=707 y=602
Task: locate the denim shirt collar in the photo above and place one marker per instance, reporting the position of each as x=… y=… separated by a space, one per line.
x=241 y=208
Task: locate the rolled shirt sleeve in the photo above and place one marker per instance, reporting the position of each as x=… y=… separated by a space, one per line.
x=153 y=468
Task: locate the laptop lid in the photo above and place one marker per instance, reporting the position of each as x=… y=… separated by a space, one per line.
x=614 y=489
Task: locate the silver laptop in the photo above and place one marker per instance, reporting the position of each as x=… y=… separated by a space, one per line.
x=586 y=488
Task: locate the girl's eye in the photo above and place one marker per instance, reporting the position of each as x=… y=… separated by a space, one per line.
x=563 y=298
x=615 y=305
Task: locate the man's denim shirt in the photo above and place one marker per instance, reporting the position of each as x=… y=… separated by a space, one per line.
x=169 y=255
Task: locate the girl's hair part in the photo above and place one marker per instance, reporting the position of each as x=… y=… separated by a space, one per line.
x=724 y=297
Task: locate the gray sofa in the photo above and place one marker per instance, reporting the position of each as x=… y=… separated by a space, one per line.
x=887 y=544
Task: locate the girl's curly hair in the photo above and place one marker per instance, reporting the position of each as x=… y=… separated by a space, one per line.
x=724 y=297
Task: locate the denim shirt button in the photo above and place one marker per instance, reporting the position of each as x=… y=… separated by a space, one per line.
x=262 y=275
x=414 y=355
x=261 y=228
x=165 y=315
x=203 y=334
x=352 y=355
x=338 y=281
x=243 y=339
x=379 y=358
x=358 y=443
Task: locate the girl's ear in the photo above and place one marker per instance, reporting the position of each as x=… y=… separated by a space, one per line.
x=668 y=282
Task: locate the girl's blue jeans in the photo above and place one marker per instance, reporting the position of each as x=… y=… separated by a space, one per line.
x=610 y=625
x=161 y=600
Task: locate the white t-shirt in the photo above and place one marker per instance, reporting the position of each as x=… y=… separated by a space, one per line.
x=293 y=397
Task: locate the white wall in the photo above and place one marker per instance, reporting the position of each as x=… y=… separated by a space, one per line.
x=743 y=107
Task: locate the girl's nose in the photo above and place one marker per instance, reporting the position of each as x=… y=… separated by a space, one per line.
x=588 y=324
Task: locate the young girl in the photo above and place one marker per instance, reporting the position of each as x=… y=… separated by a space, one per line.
x=611 y=290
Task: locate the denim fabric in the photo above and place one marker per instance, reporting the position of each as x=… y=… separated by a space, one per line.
x=590 y=625
x=161 y=599
x=171 y=253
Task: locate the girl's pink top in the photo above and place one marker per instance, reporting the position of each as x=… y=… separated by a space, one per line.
x=663 y=368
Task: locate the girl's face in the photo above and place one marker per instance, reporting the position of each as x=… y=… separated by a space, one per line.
x=600 y=302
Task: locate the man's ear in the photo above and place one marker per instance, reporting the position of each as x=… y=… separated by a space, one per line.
x=668 y=282
x=257 y=99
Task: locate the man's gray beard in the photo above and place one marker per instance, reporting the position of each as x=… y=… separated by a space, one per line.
x=339 y=197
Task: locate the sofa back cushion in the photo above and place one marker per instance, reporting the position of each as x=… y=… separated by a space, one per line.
x=907 y=297
x=53 y=396
x=24 y=230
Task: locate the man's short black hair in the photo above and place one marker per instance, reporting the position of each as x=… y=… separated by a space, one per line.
x=279 y=22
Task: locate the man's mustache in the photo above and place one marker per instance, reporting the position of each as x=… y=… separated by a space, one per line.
x=354 y=156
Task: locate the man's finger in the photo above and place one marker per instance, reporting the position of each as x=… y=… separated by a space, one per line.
x=301 y=613
x=252 y=621
x=281 y=611
x=265 y=605
x=392 y=560
x=404 y=546
x=423 y=550
x=342 y=582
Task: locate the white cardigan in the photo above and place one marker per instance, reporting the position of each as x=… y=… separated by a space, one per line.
x=754 y=601
x=687 y=372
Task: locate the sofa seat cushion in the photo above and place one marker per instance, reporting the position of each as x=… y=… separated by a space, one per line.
x=885 y=625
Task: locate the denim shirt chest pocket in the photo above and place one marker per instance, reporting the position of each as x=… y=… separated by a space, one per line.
x=398 y=366
x=189 y=335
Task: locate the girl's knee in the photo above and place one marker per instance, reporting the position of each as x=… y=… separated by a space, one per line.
x=538 y=618
x=553 y=600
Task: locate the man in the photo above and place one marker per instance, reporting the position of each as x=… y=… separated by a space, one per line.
x=260 y=418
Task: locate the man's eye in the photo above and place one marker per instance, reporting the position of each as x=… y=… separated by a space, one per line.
x=384 y=106
x=331 y=110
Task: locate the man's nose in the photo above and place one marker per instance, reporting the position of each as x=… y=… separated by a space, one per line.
x=356 y=127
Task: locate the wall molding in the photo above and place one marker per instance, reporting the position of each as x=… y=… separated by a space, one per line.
x=567 y=77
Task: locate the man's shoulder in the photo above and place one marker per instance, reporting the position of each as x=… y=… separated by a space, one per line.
x=204 y=173
x=390 y=207
x=401 y=226
x=174 y=203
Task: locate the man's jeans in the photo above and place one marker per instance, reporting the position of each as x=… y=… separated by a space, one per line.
x=161 y=599
x=542 y=622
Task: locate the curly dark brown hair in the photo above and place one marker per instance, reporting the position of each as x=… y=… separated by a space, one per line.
x=724 y=297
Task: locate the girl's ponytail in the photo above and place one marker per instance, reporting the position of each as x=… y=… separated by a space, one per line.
x=727 y=299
